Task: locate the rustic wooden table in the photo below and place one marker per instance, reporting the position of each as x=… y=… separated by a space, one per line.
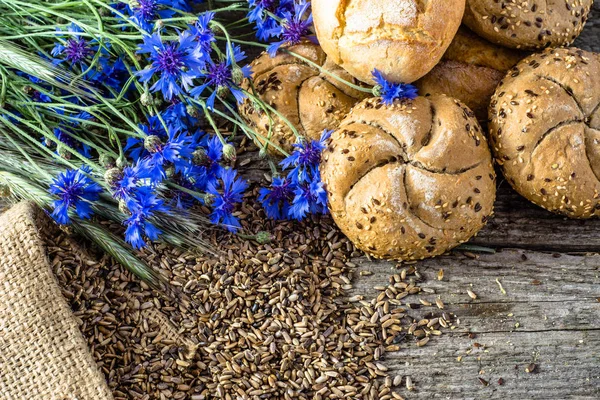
x=549 y=315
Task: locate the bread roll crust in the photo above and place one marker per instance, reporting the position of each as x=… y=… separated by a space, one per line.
x=469 y=71
x=545 y=130
x=309 y=99
x=527 y=25
x=410 y=180
x=469 y=48
x=404 y=39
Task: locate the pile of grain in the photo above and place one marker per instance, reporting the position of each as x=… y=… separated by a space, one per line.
x=270 y=321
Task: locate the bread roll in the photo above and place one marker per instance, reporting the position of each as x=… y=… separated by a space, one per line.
x=469 y=71
x=308 y=99
x=410 y=180
x=528 y=24
x=404 y=39
x=545 y=130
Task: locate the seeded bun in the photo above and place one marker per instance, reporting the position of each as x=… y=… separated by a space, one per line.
x=545 y=130
x=469 y=71
x=410 y=180
x=404 y=39
x=528 y=25
x=310 y=100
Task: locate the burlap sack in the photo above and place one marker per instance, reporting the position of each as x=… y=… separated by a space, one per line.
x=42 y=352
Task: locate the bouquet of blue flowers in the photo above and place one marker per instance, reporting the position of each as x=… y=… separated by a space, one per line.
x=126 y=112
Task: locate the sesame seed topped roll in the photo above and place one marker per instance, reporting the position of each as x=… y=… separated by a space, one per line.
x=545 y=130
x=298 y=93
x=410 y=180
x=528 y=25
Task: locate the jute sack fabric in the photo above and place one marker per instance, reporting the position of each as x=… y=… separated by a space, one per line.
x=42 y=352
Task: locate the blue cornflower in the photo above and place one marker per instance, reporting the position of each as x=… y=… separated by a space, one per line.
x=220 y=77
x=135 y=146
x=62 y=134
x=81 y=116
x=214 y=156
x=259 y=9
x=390 y=92
x=266 y=29
x=205 y=166
x=184 y=5
x=154 y=127
x=202 y=31
x=294 y=28
x=111 y=74
x=74 y=50
x=190 y=177
x=177 y=116
x=119 y=6
x=125 y=186
x=75 y=190
x=305 y=159
x=36 y=95
x=225 y=199
x=64 y=137
x=33 y=79
x=276 y=199
x=175 y=63
x=310 y=198
x=143 y=205
x=178 y=150
x=148 y=11
x=40 y=97
x=260 y=14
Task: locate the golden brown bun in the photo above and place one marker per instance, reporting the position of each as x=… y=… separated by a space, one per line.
x=469 y=71
x=468 y=48
x=545 y=130
x=527 y=25
x=410 y=180
x=404 y=39
x=310 y=100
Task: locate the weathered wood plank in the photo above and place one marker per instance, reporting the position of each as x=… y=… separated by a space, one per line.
x=520 y=223
x=568 y=366
x=543 y=292
x=526 y=276
x=550 y=316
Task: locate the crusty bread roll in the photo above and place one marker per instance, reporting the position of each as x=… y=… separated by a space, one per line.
x=545 y=130
x=310 y=100
x=469 y=71
x=528 y=24
x=404 y=39
x=410 y=180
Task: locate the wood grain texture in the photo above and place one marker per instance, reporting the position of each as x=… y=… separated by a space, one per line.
x=550 y=316
x=520 y=223
x=567 y=367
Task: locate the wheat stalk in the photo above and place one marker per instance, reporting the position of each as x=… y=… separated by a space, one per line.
x=21 y=188
x=11 y=56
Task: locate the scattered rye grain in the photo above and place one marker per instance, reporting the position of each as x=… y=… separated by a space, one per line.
x=261 y=319
x=530 y=368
